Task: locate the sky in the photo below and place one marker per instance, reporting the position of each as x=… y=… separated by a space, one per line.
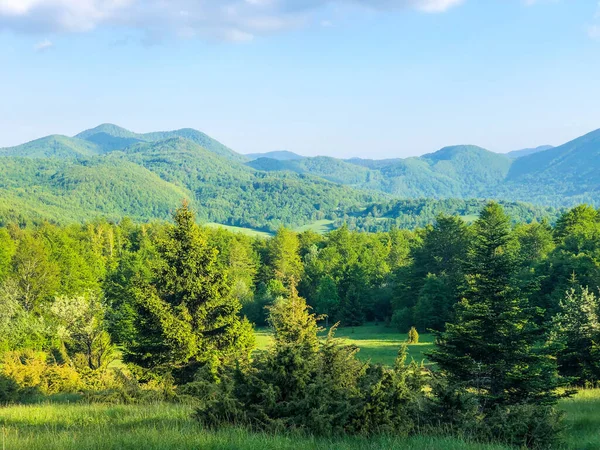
x=345 y=78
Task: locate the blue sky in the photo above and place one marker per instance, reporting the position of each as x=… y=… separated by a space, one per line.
x=370 y=78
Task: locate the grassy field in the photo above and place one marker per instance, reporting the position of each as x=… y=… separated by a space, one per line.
x=377 y=343
x=319 y=226
x=247 y=231
x=166 y=427
x=169 y=426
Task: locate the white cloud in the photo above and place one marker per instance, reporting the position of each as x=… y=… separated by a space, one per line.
x=43 y=45
x=237 y=20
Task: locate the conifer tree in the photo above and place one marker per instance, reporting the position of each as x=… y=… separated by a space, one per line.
x=575 y=331
x=187 y=317
x=492 y=346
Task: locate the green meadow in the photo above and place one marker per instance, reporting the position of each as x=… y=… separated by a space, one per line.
x=377 y=343
x=166 y=426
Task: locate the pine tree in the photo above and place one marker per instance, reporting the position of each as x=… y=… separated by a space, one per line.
x=492 y=346
x=187 y=317
x=575 y=331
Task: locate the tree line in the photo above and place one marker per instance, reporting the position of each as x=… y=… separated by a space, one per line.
x=514 y=309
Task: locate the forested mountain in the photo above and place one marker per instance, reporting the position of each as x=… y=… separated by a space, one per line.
x=55 y=146
x=528 y=151
x=146 y=179
x=459 y=171
x=110 y=137
x=280 y=155
x=549 y=176
x=113 y=172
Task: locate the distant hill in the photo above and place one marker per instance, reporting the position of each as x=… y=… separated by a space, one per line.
x=528 y=151
x=147 y=180
x=458 y=171
x=570 y=171
x=280 y=155
x=55 y=146
x=112 y=137
x=113 y=172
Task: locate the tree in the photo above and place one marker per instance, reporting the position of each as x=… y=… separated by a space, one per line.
x=81 y=328
x=575 y=331
x=187 y=317
x=492 y=346
x=284 y=256
x=327 y=300
x=7 y=251
x=36 y=276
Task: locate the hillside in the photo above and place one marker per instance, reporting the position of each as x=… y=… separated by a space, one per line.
x=55 y=146
x=147 y=180
x=570 y=171
x=111 y=137
x=459 y=171
x=113 y=172
x=279 y=155
x=528 y=151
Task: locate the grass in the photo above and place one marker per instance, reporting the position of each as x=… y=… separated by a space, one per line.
x=247 y=231
x=319 y=226
x=168 y=426
x=377 y=343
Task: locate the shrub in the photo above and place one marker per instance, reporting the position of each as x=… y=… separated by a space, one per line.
x=304 y=384
x=413 y=336
x=9 y=390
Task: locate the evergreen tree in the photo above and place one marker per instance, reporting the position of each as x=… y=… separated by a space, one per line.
x=575 y=331
x=186 y=316
x=492 y=345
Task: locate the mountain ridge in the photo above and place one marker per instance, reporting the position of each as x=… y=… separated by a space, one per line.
x=265 y=193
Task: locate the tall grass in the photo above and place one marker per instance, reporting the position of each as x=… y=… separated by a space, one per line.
x=166 y=427
x=169 y=426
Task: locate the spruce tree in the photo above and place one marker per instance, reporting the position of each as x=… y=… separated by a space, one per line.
x=492 y=345
x=575 y=331
x=187 y=317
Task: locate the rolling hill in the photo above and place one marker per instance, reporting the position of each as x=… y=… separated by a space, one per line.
x=113 y=172
x=279 y=155
x=148 y=179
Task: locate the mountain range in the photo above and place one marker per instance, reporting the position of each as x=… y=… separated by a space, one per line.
x=113 y=172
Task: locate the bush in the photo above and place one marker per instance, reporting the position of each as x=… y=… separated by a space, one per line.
x=32 y=371
x=304 y=384
x=413 y=336
x=9 y=390
x=458 y=412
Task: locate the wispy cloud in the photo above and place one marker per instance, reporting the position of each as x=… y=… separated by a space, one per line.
x=43 y=45
x=236 y=20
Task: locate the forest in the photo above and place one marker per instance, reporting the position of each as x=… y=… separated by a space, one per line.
x=134 y=313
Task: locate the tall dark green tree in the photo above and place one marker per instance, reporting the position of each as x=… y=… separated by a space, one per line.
x=187 y=317
x=492 y=346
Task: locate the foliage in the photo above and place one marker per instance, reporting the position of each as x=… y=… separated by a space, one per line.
x=186 y=316
x=575 y=331
x=319 y=387
x=413 y=336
